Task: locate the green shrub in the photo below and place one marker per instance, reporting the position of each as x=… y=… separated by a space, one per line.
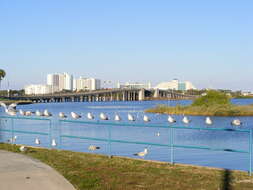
x=212 y=98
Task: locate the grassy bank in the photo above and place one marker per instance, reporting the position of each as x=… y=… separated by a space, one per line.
x=214 y=103
x=97 y=172
x=215 y=110
x=20 y=102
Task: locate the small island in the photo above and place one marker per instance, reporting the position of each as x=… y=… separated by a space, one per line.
x=213 y=103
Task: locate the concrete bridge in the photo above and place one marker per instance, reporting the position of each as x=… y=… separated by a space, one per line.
x=105 y=95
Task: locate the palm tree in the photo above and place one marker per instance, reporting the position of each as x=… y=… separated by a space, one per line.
x=2 y=75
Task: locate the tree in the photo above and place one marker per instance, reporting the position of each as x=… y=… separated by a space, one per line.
x=2 y=75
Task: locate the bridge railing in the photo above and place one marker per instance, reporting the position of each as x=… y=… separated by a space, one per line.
x=109 y=133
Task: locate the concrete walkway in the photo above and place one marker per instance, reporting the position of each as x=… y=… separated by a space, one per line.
x=19 y=172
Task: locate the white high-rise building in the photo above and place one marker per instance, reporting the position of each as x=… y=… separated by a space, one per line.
x=68 y=81
x=60 y=81
x=86 y=84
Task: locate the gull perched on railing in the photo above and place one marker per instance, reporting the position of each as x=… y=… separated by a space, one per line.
x=146 y=118
x=236 y=122
x=90 y=116
x=11 y=109
x=171 y=119
x=209 y=121
x=186 y=120
x=47 y=113
x=75 y=115
x=38 y=113
x=103 y=116
x=130 y=117
x=62 y=115
x=142 y=154
x=117 y=117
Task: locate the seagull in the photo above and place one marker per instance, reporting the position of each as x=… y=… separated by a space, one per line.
x=11 y=109
x=47 y=113
x=53 y=143
x=21 y=112
x=236 y=122
x=23 y=149
x=186 y=120
x=62 y=115
x=75 y=115
x=12 y=140
x=28 y=113
x=93 y=147
x=171 y=119
x=103 y=116
x=130 y=117
x=117 y=117
x=142 y=154
x=209 y=121
x=90 y=116
x=38 y=113
x=146 y=118
x=158 y=134
x=37 y=141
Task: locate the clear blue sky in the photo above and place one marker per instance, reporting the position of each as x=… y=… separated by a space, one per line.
x=207 y=42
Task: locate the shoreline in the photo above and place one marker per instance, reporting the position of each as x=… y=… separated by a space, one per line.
x=221 y=111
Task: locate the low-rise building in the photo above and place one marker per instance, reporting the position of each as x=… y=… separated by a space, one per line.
x=175 y=84
x=134 y=85
x=35 y=89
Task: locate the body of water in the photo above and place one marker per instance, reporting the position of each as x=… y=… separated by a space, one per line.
x=215 y=139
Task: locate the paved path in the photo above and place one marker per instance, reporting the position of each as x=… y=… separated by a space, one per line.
x=19 y=172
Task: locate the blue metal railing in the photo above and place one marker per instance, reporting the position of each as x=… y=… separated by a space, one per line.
x=109 y=140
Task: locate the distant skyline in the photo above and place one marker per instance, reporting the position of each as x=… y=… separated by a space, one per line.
x=209 y=43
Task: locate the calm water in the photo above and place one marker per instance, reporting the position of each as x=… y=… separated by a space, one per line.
x=215 y=139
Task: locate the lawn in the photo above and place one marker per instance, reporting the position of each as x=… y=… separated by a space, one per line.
x=98 y=172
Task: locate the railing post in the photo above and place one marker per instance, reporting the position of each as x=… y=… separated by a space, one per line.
x=12 y=131
x=60 y=140
x=109 y=141
x=250 y=152
x=171 y=145
x=50 y=133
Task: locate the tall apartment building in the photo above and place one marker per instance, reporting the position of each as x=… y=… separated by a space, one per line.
x=60 y=81
x=87 y=84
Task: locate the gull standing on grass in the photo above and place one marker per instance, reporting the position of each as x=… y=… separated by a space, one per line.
x=93 y=147
x=142 y=154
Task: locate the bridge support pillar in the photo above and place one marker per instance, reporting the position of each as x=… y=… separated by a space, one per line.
x=141 y=94
x=156 y=94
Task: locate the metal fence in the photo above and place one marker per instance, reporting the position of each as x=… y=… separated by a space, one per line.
x=56 y=127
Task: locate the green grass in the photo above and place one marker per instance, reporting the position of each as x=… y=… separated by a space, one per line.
x=214 y=110
x=97 y=172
